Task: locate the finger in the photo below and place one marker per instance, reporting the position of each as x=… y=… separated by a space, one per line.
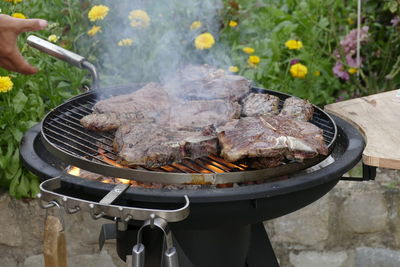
x=27 y=25
x=5 y=63
x=20 y=65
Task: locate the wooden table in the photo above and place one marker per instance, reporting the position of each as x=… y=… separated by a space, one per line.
x=378 y=118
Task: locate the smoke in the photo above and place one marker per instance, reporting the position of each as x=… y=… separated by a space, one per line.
x=162 y=42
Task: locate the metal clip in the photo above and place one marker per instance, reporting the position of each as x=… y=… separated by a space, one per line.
x=94 y=215
x=69 y=210
x=60 y=215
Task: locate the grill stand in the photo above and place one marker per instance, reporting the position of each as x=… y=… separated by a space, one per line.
x=246 y=246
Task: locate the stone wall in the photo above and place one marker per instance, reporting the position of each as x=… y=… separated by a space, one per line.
x=356 y=224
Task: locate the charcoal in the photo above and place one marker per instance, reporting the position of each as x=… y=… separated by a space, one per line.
x=270 y=137
x=297 y=108
x=260 y=104
x=152 y=145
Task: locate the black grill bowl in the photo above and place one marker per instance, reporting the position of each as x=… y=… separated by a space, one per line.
x=212 y=207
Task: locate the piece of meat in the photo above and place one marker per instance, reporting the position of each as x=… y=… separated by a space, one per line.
x=249 y=137
x=260 y=104
x=151 y=98
x=202 y=113
x=150 y=103
x=152 y=145
x=102 y=122
x=297 y=108
x=270 y=137
x=264 y=163
x=205 y=82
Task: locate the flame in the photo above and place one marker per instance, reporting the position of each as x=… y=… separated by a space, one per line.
x=75 y=171
x=123 y=181
x=109 y=161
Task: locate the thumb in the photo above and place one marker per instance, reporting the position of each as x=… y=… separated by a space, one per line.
x=26 y=25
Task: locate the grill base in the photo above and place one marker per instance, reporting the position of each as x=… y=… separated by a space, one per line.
x=245 y=246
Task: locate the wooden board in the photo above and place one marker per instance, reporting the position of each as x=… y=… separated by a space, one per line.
x=378 y=118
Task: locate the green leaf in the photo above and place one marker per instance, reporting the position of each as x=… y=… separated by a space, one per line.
x=19 y=101
x=393 y=5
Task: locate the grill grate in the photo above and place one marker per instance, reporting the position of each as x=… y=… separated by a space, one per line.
x=72 y=142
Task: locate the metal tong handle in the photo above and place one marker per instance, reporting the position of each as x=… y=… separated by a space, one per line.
x=169 y=256
x=65 y=55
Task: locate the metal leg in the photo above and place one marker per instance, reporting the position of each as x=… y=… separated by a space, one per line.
x=261 y=253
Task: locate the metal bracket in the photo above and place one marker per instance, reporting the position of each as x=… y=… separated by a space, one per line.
x=104 y=207
x=368 y=174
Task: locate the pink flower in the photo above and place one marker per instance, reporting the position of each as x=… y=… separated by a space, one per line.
x=395 y=21
x=340 y=71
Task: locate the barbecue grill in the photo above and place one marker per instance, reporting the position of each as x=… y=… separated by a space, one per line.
x=224 y=225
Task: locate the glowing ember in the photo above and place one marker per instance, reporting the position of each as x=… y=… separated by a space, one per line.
x=75 y=171
x=109 y=161
x=123 y=181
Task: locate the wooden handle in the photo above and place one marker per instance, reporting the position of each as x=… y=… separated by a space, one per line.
x=54 y=245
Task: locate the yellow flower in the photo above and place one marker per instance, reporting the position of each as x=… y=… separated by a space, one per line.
x=98 y=12
x=352 y=70
x=204 y=41
x=5 y=84
x=139 y=18
x=298 y=70
x=350 y=21
x=294 y=44
x=13 y=1
x=53 y=38
x=125 y=42
x=94 y=30
x=233 y=24
x=248 y=50
x=317 y=73
x=195 y=25
x=253 y=61
x=18 y=15
x=233 y=69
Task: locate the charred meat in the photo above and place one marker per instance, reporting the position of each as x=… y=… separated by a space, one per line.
x=298 y=109
x=270 y=137
x=152 y=145
x=260 y=104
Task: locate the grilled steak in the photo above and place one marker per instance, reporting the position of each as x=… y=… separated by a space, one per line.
x=151 y=98
x=204 y=82
x=202 y=113
x=111 y=121
x=149 y=103
x=270 y=137
x=264 y=163
x=152 y=145
x=297 y=108
x=260 y=104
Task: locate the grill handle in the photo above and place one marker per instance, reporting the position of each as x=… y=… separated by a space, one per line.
x=71 y=204
x=65 y=55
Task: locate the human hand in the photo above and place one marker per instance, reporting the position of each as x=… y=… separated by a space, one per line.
x=10 y=57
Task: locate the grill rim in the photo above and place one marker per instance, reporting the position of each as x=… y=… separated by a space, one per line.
x=174 y=177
